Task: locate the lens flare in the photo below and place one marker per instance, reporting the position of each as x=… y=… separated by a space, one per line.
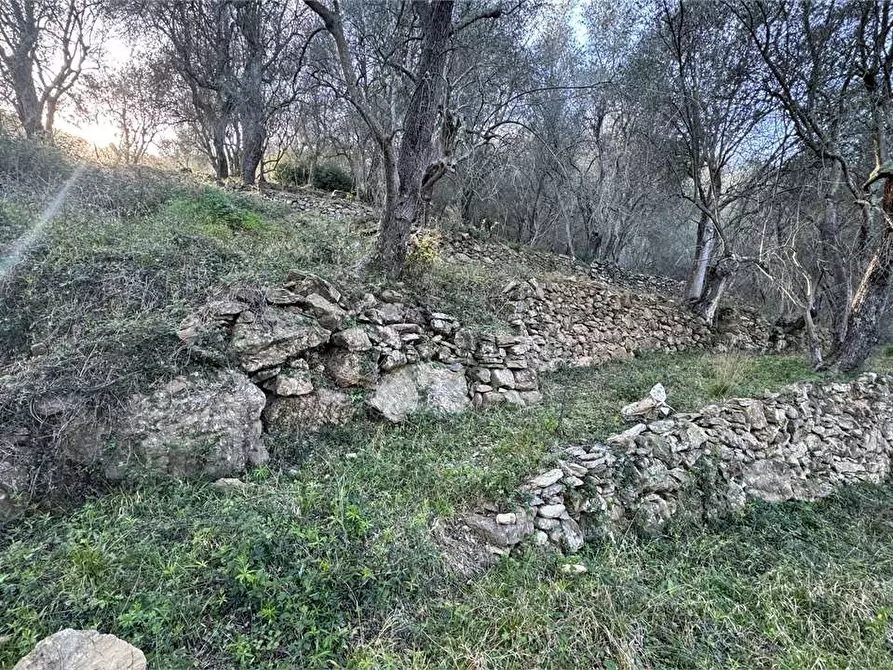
x=20 y=246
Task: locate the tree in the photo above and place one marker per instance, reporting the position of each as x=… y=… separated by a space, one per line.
x=44 y=45
x=715 y=109
x=136 y=99
x=405 y=170
x=829 y=69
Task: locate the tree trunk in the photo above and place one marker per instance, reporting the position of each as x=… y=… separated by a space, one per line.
x=871 y=296
x=716 y=280
x=249 y=19
x=27 y=105
x=221 y=163
x=417 y=144
x=838 y=292
x=703 y=251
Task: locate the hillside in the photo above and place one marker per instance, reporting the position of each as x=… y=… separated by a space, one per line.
x=343 y=545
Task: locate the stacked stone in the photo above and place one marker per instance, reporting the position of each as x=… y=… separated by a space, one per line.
x=315 y=349
x=800 y=444
x=332 y=206
x=580 y=322
x=501 y=373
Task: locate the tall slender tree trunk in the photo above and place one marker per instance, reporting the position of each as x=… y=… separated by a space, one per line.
x=871 y=297
x=417 y=145
x=703 y=251
x=248 y=15
x=221 y=162
x=838 y=292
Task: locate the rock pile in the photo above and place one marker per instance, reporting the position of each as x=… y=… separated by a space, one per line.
x=801 y=444
x=332 y=206
x=316 y=350
x=463 y=248
x=581 y=322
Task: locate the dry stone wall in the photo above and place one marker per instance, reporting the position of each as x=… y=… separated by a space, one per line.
x=315 y=350
x=800 y=444
x=582 y=322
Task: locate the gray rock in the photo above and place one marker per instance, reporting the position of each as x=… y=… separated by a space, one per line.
x=499 y=535
x=82 y=650
x=392 y=312
x=352 y=339
x=392 y=360
x=291 y=381
x=352 y=368
x=230 y=484
x=444 y=390
x=546 y=479
x=551 y=511
x=329 y=314
x=274 y=339
x=396 y=394
x=502 y=378
x=309 y=412
x=769 y=480
x=305 y=283
x=573 y=536
x=282 y=296
x=525 y=380
x=204 y=425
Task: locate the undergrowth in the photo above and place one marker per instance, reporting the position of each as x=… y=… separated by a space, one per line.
x=327 y=559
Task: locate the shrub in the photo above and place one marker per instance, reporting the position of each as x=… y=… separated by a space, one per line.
x=326 y=176
x=423 y=252
x=291 y=174
x=329 y=177
x=31 y=161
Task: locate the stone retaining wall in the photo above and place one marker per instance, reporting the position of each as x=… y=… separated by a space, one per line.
x=582 y=322
x=315 y=350
x=799 y=444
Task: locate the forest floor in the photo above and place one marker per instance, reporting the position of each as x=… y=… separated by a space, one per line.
x=327 y=557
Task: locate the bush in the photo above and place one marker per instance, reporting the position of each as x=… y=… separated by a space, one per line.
x=326 y=176
x=291 y=174
x=32 y=162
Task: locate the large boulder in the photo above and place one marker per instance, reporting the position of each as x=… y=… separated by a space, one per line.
x=397 y=394
x=309 y=412
x=444 y=390
x=402 y=391
x=82 y=650
x=274 y=338
x=201 y=425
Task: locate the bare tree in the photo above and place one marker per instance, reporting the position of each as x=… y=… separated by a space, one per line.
x=136 y=99
x=830 y=71
x=404 y=168
x=44 y=45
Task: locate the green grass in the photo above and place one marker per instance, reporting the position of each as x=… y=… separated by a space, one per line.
x=328 y=559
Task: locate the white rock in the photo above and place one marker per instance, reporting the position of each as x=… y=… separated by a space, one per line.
x=573 y=568
x=546 y=479
x=83 y=650
x=551 y=511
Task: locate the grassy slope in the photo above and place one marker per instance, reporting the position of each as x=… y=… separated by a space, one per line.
x=330 y=561
x=327 y=560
